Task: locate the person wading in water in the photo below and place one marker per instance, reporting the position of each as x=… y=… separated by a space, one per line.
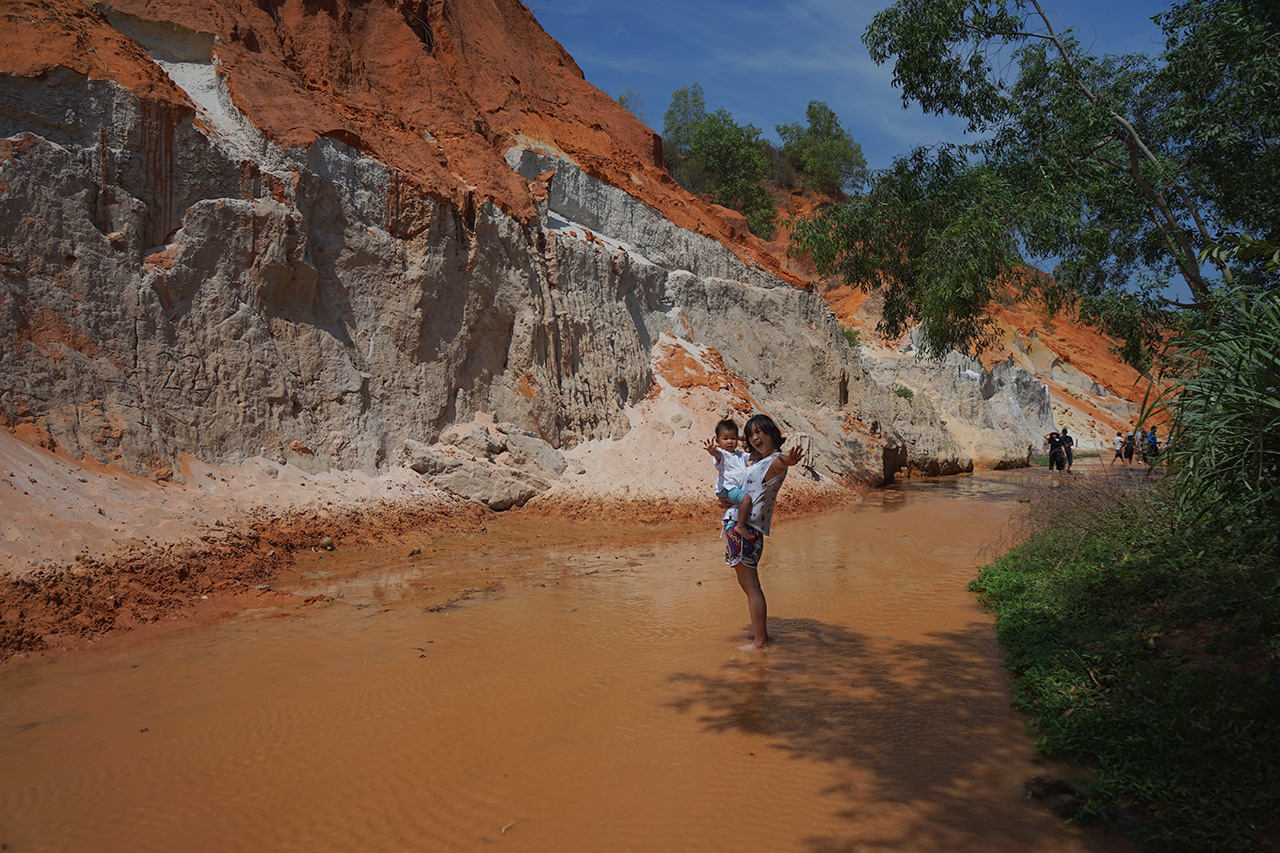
x=765 y=473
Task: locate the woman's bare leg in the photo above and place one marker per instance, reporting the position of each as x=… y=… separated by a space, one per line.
x=749 y=580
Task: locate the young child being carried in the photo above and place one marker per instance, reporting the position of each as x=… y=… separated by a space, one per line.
x=731 y=473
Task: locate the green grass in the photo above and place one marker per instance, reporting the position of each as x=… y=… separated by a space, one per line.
x=855 y=344
x=1225 y=404
x=1148 y=655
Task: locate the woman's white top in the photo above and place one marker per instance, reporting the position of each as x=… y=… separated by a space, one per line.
x=763 y=494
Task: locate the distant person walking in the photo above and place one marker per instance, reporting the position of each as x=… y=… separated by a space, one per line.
x=1118 y=441
x=1067 y=444
x=1128 y=449
x=1153 y=447
x=1142 y=446
x=1057 y=456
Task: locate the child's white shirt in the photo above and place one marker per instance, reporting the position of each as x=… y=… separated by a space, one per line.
x=731 y=469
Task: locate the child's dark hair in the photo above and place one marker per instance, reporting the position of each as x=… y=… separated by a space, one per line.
x=765 y=424
x=728 y=425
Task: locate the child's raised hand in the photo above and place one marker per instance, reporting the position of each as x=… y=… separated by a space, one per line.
x=793 y=456
x=710 y=446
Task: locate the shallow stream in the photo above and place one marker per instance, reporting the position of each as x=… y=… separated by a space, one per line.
x=547 y=687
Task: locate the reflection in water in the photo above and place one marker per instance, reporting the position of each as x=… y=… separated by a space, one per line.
x=739 y=697
x=573 y=694
x=989 y=486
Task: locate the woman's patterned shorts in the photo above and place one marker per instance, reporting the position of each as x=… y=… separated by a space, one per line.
x=739 y=550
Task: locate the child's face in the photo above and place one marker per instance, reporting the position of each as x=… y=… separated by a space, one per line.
x=727 y=441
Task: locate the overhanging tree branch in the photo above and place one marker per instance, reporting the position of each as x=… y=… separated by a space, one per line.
x=1138 y=149
x=1050 y=178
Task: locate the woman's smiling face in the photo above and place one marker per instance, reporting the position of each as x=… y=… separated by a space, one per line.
x=760 y=442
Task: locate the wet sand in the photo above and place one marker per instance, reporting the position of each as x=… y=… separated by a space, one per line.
x=539 y=686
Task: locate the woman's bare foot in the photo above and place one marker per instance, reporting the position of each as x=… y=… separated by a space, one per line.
x=745 y=532
x=754 y=647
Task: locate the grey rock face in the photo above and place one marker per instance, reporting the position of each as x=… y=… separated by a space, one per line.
x=784 y=341
x=202 y=321
x=498 y=470
x=1006 y=408
x=533 y=456
x=169 y=288
x=423 y=459
x=496 y=487
x=476 y=440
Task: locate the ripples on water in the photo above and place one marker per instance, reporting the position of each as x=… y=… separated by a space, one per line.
x=554 y=694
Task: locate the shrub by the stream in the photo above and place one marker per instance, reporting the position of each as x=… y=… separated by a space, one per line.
x=1147 y=653
x=1142 y=627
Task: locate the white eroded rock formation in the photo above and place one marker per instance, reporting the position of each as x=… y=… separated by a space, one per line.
x=180 y=286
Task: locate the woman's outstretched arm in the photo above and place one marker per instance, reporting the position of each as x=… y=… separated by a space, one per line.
x=784 y=461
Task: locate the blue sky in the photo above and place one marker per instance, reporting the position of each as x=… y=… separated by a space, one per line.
x=764 y=61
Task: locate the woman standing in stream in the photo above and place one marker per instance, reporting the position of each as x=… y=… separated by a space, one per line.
x=765 y=473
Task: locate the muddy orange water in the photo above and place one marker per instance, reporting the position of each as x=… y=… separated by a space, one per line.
x=581 y=692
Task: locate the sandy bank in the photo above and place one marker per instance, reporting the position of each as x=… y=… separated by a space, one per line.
x=87 y=551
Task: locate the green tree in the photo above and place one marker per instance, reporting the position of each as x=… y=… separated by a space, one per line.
x=823 y=153
x=926 y=229
x=1247 y=248
x=1092 y=160
x=687 y=110
x=733 y=163
x=1223 y=64
x=631 y=99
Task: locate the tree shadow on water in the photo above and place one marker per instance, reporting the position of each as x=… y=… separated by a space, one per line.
x=919 y=735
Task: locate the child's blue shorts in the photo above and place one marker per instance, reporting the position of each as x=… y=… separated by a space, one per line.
x=733 y=496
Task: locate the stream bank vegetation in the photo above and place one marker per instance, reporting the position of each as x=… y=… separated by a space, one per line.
x=1142 y=625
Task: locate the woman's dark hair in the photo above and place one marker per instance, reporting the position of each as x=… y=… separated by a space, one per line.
x=765 y=424
x=727 y=425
